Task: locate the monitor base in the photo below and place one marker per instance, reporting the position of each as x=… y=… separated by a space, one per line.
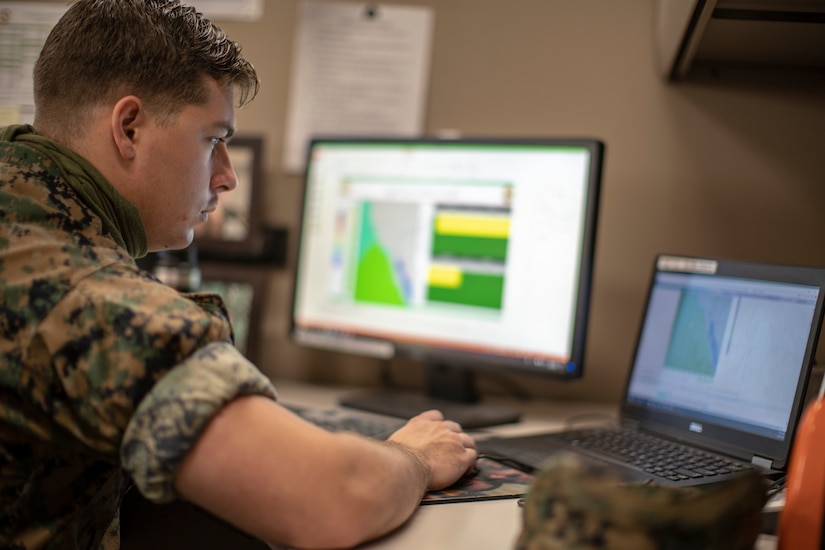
x=407 y=404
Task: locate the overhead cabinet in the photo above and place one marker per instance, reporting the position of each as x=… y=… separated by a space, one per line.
x=701 y=37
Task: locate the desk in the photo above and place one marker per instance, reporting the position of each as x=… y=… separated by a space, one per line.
x=471 y=525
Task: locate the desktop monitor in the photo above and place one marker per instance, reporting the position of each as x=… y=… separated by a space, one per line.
x=460 y=254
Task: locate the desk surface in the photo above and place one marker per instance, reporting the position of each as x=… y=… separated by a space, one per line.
x=472 y=525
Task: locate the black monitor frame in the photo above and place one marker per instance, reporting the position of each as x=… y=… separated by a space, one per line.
x=451 y=372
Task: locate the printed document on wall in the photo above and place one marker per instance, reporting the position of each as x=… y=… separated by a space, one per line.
x=230 y=10
x=24 y=27
x=357 y=70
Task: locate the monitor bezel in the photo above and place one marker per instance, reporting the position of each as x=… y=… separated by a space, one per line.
x=431 y=355
x=677 y=424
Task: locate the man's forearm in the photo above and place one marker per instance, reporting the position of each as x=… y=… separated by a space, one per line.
x=256 y=464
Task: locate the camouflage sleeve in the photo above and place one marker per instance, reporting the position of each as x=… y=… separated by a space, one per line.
x=109 y=341
x=169 y=420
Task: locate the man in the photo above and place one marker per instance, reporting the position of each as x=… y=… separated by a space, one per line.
x=108 y=377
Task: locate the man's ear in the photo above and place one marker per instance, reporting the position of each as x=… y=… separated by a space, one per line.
x=127 y=116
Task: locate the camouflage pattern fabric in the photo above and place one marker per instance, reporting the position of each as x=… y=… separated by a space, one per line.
x=107 y=376
x=579 y=505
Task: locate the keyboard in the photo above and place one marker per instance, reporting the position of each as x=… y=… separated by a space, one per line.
x=337 y=420
x=653 y=455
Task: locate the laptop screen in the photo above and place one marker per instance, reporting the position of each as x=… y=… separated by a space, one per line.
x=726 y=353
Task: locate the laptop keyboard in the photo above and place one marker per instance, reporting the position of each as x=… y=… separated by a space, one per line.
x=336 y=420
x=653 y=455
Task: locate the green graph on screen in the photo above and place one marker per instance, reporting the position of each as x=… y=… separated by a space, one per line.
x=381 y=275
x=698 y=332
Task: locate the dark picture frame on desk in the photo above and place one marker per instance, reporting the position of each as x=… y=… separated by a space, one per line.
x=243 y=289
x=235 y=228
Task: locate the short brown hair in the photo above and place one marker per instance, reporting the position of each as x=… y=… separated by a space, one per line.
x=159 y=50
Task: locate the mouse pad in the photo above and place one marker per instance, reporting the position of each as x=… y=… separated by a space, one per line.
x=491 y=480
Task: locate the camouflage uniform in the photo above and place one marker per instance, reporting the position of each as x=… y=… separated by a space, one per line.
x=579 y=505
x=107 y=376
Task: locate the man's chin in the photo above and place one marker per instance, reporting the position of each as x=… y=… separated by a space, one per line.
x=172 y=244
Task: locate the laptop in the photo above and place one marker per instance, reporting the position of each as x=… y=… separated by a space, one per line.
x=721 y=370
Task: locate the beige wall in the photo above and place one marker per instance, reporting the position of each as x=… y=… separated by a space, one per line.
x=722 y=168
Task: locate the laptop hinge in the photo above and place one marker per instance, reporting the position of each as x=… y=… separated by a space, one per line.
x=762 y=462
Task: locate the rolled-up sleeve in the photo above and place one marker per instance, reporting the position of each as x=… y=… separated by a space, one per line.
x=171 y=417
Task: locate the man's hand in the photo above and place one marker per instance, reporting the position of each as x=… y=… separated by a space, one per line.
x=261 y=468
x=447 y=451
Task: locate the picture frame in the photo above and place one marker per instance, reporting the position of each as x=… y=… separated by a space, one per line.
x=234 y=230
x=243 y=289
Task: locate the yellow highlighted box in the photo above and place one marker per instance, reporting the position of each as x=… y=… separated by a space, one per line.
x=445 y=276
x=472 y=225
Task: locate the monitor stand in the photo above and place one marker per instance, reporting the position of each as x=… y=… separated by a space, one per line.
x=451 y=390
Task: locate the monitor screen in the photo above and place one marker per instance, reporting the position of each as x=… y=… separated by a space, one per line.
x=463 y=253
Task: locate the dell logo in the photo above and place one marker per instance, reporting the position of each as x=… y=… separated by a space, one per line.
x=695 y=427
